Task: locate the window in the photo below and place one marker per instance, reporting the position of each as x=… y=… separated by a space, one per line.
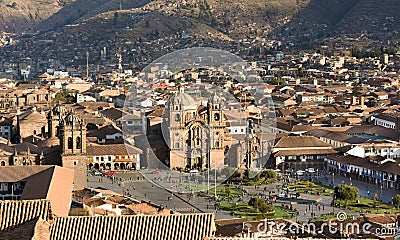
x=78 y=143
x=216 y=116
x=177 y=117
x=216 y=144
x=70 y=143
x=177 y=145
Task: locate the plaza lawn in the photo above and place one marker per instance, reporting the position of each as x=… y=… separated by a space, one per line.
x=243 y=209
x=261 y=181
x=311 y=188
x=222 y=191
x=366 y=205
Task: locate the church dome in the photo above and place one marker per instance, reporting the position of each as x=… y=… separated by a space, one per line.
x=183 y=99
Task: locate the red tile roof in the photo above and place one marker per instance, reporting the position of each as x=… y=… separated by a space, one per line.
x=143 y=227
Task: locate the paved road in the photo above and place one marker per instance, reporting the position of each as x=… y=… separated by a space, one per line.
x=134 y=185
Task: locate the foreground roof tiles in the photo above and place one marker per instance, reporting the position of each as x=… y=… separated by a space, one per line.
x=171 y=227
x=14 y=213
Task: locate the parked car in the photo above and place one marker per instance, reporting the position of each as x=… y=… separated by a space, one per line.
x=110 y=173
x=310 y=170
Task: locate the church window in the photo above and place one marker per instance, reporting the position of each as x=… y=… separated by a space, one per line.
x=216 y=116
x=78 y=143
x=3 y=163
x=70 y=143
x=177 y=117
x=177 y=145
x=216 y=144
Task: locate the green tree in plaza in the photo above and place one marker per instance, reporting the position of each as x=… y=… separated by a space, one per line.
x=346 y=192
x=260 y=205
x=268 y=174
x=375 y=199
x=227 y=192
x=396 y=200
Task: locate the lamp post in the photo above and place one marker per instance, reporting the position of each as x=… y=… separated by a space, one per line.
x=333 y=180
x=351 y=184
x=381 y=192
x=215 y=182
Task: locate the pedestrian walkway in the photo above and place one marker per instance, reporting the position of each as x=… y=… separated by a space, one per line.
x=308 y=206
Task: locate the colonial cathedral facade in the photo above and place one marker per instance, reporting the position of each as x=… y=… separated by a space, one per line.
x=197 y=135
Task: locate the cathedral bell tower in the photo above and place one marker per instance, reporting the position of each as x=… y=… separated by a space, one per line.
x=73 y=147
x=217 y=130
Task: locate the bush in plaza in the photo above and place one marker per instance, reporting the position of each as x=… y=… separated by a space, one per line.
x=268 y=174
x=346 y=192
x=396 y=200
x=260 y=205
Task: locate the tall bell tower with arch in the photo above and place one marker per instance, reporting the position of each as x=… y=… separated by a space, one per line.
x=216 y=124
x=73 y=147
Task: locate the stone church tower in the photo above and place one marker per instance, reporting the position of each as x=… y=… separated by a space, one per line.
x=73 y=147
x=53 y=121
x=216 y=123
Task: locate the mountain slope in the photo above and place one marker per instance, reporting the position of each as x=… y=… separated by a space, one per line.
x=84 y=9
x=371 y=16
x=32 y=15
x=23 y=15
x=234 y=18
